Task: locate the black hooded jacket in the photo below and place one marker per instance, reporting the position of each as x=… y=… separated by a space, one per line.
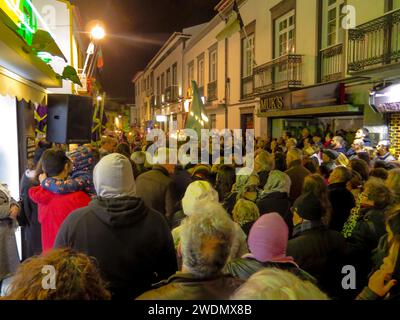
x=131 y=243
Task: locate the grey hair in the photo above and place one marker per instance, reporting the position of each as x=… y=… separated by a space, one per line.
x=277 y=284
x=206 y=240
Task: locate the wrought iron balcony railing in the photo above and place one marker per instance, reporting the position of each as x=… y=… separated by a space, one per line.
x=212 y=91
x=375 y=43
x=282 y=73
x=332 y=63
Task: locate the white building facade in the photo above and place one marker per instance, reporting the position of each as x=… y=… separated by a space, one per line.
x=297 y=63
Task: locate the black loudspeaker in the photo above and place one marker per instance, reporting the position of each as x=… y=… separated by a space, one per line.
x=69 y=118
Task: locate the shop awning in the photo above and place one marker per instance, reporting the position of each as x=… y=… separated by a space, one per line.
x=16 y=86
x=26 y=65
x=316 y=111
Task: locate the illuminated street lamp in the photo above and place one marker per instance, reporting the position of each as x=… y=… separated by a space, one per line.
x=97 y=33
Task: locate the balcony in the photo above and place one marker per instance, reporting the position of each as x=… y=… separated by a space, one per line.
x=212 y=91
x=375 y=44
x=247 y=87
x=332 y=63
x=171 y=94
x=279 y=74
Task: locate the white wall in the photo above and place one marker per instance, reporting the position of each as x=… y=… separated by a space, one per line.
x=9 y=170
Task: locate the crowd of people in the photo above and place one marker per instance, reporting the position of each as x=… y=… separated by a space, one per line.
x=115 y=226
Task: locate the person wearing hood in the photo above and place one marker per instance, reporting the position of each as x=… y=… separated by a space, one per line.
x=83 y=159
x=267 y=243
x=275 y=197
x=131 y=242
x=54 y=208
x=318 y=250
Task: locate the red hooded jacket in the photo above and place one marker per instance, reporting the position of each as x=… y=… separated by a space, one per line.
x=53 y=209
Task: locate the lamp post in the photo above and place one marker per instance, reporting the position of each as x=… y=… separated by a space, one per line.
x=97 y=33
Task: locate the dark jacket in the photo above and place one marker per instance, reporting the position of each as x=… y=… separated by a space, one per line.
x=158 y=191
x=184 y=286
x=132 y=243
x=31 y=230
x=243 y=268
x=263 y=175
x=229 y=202
x=181 y=179
x=364 y=239
x=297 y=174
x=342 y=201
x=320 y=252
x=277 y=202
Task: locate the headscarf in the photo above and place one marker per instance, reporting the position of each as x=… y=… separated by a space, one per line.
x=113 y=177
x=278 y=181
x=245 y=211
x=245 y=178
x=197 y=194
x=268 y=239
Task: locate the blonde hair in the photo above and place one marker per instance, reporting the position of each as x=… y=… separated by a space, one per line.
x=277 y=284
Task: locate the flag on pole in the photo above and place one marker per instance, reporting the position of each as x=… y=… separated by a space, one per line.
x=234 y=23
x=197 y=118
x=100 y=60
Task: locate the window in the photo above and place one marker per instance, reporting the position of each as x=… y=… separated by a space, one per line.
x=396 y=4
x=175 y=74
x=168 y=77
x=247 y=56
x=285 y=31
x=213 y=65
x=151 y=81
x=200 y=71
x=158 y=86
x=213 y=121
x=332 y=16
x=190 y=73
x=162 y=83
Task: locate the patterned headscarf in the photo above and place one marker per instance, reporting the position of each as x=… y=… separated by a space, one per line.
x=278 y=181
x=245 y=180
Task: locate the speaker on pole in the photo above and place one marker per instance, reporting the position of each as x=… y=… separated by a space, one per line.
x=69 y=119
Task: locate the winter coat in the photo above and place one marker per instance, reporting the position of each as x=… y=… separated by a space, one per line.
x=243 y=268
x=229 y=202
x=32 y=236
x=131 y=243
x=342 y=201
x=53 y=209
x=277 y=202
x=181 y=179
x=320 y=252
x=158 y=191
x=185 y=286
x=9 y=258
x=364 y=239
x=297 y=174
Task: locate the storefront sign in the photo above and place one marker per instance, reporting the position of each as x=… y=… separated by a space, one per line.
x=386 y=99
x=22 y=15
x=318 y=96
x=271 y=103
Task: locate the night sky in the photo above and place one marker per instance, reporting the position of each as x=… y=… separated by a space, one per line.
x=136 y=29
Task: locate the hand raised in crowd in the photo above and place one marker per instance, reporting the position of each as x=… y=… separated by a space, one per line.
x=381 y=283
x=14 y=211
